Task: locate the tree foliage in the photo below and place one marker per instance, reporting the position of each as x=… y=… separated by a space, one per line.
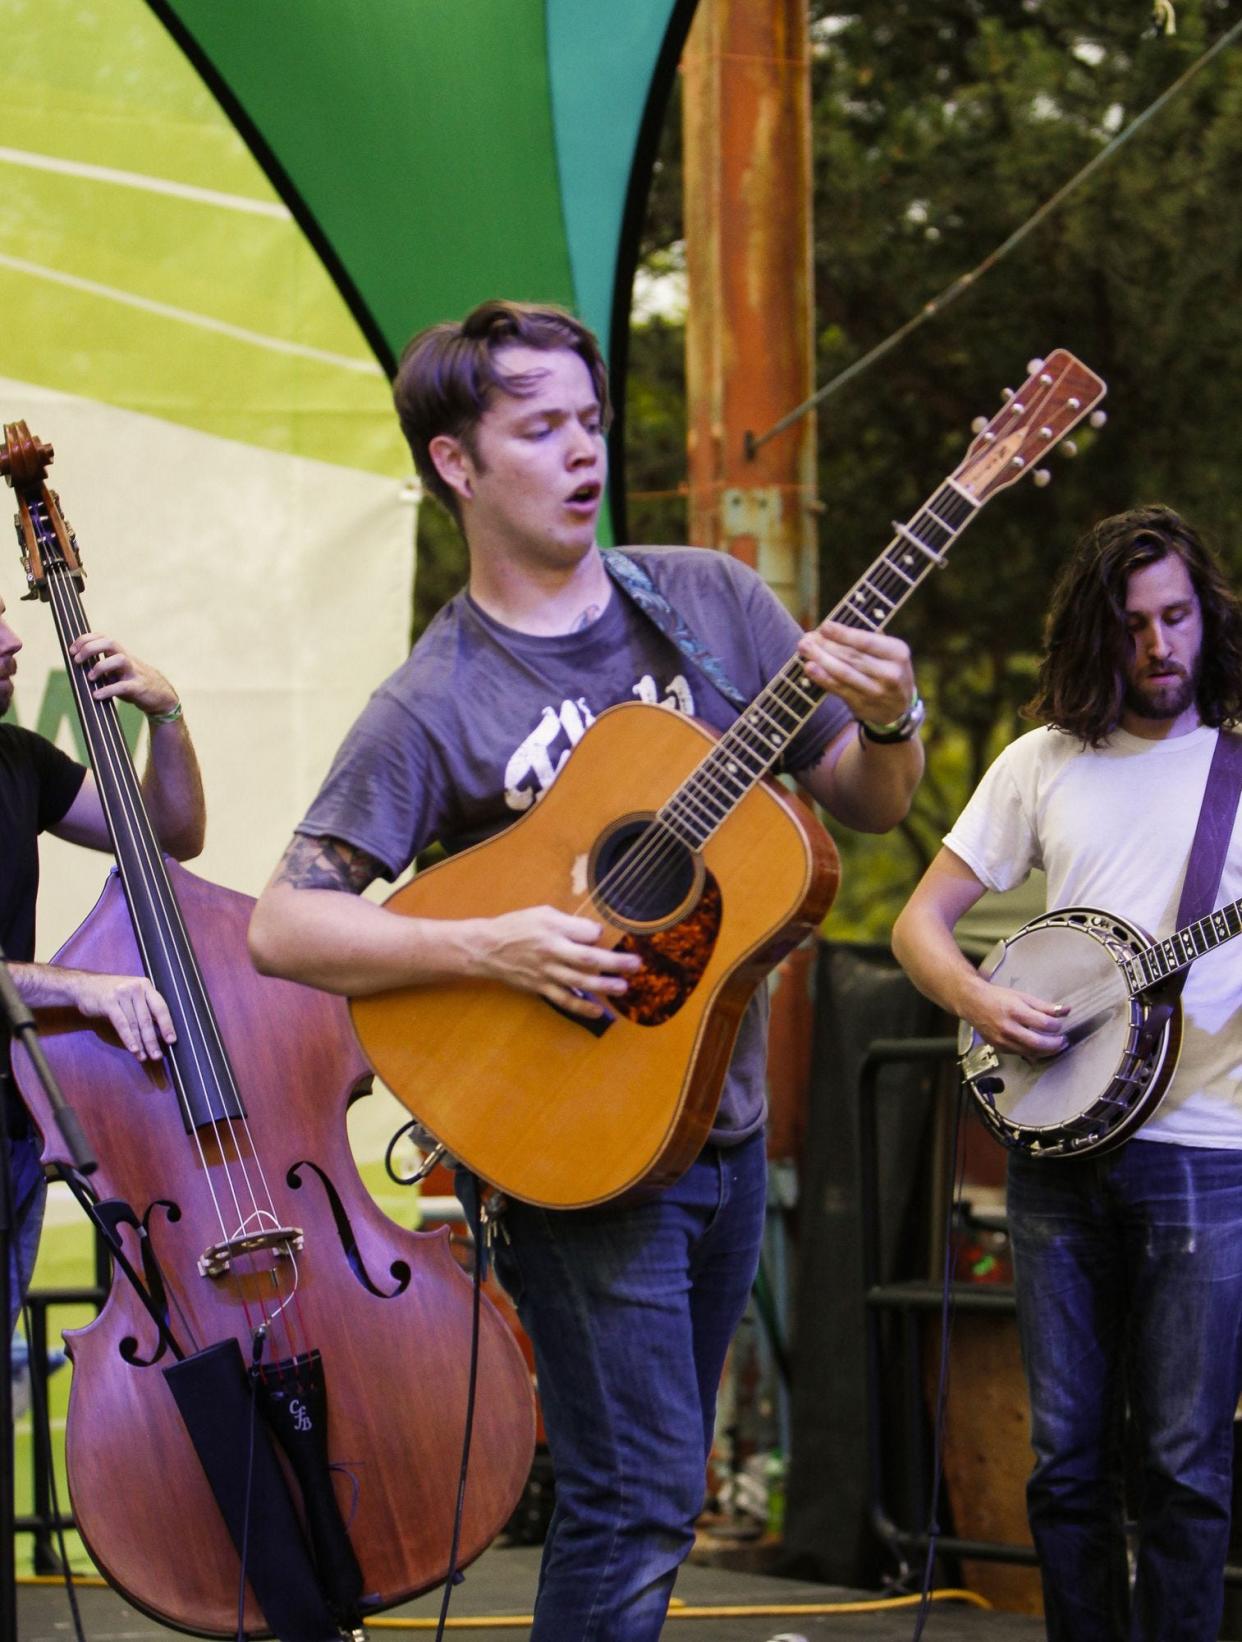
x=940 y=128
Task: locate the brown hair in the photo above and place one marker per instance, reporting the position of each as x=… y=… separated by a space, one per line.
x=448 y=376
x=1081 y=683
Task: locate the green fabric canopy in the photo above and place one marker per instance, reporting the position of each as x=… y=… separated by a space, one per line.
x=440 y=153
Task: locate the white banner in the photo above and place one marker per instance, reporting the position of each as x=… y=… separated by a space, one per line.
x=273 y=591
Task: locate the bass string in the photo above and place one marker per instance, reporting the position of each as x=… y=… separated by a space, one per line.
x=186 y=984
x=109 y=747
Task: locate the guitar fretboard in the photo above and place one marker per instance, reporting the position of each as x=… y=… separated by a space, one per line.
x=754 y=743
x=1179 y=950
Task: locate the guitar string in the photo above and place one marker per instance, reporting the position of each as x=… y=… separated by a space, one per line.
x=747 y=743
x=181 y=966
x=1134 y=971
x=714 y=787
x=655 y=849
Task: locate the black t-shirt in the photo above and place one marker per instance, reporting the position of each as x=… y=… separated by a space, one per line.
x=37 y=786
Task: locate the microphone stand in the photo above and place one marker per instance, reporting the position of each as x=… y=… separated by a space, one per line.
x=15 y=1014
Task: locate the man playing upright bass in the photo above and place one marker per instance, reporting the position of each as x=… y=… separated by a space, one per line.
x=42 y=790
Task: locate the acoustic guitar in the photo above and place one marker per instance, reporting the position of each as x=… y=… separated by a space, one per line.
x=682 y=845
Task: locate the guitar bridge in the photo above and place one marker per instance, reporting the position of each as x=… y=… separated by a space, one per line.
x=596 y=1025
x=218 y=1258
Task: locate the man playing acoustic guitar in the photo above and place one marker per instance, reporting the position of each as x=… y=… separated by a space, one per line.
x=1128 y=1263
x=630 y=1305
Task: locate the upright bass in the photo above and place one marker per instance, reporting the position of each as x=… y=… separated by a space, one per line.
x=281 y=1378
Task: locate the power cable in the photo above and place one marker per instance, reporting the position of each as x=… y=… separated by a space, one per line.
x=752 y=442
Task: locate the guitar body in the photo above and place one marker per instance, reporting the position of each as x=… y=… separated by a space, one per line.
x=1123 y=1046
x=554 y=1110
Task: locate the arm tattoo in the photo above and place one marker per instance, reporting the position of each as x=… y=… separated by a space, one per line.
x=326 y=863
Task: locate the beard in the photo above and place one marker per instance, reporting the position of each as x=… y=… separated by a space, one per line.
x=1166 y=696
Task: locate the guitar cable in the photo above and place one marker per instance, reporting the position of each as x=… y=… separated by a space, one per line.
x=414 y=1130
x=454 y=1576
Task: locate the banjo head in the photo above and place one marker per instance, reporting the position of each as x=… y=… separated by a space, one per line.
x=1097 y=1091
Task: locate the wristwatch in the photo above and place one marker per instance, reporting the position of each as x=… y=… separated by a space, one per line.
x=901 y=729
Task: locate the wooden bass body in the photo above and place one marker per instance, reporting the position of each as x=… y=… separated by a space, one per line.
x=554 y=1110
x=390 y=1307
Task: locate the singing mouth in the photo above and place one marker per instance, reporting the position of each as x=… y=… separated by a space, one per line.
x=585 y=495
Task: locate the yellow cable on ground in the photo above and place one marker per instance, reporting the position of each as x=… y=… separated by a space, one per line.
x=678 y=1610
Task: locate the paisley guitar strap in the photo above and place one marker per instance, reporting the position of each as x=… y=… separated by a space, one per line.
x=634 y=581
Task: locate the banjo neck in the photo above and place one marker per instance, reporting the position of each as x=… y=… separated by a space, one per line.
x=1178 y=951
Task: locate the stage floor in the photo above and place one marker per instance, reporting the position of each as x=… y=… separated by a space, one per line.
x=498 y=1590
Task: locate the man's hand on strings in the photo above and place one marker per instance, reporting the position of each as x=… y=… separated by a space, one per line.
x=113 y=671
x=556 y=955
x=132 y=1006
x=871 y=672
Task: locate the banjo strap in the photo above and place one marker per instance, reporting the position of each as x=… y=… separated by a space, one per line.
x=1213 y=832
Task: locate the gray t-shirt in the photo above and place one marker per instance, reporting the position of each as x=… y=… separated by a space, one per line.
x=475 y=726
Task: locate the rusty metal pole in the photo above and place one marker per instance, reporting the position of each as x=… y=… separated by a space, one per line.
x=750 y=357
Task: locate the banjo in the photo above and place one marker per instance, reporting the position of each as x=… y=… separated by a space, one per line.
x=1124 y=1028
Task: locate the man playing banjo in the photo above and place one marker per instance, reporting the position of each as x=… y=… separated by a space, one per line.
x=1128 y=1259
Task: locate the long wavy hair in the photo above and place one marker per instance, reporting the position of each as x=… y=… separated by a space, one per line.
x=1082 y=677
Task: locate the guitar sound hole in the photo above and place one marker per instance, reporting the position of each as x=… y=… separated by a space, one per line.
x=642 y=874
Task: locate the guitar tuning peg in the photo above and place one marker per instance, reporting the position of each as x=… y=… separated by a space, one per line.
x=978 y=425
x=1041 y=477
x=1006 y=394
x=1097 y=418
x=1034 y=366
x=1068 y=448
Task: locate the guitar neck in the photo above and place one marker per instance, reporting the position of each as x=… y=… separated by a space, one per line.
x=1179 y=950
x=751 y=747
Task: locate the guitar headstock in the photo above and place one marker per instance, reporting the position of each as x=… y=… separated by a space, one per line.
x=43 y=535
x=1057 y=395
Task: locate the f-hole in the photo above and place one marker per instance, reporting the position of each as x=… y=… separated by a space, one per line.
x=642 y=876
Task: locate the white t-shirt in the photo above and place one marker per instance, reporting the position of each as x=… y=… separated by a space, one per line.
x=1112 y=827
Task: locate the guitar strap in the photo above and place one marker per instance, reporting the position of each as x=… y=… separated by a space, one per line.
x=633 y=580
x=1213 y=831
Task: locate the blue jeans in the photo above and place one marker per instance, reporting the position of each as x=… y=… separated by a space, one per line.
x=631 y=1309
x=29 y=1196
x=1129 y=1281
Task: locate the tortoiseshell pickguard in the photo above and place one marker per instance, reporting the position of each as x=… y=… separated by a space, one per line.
x=673 y=961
